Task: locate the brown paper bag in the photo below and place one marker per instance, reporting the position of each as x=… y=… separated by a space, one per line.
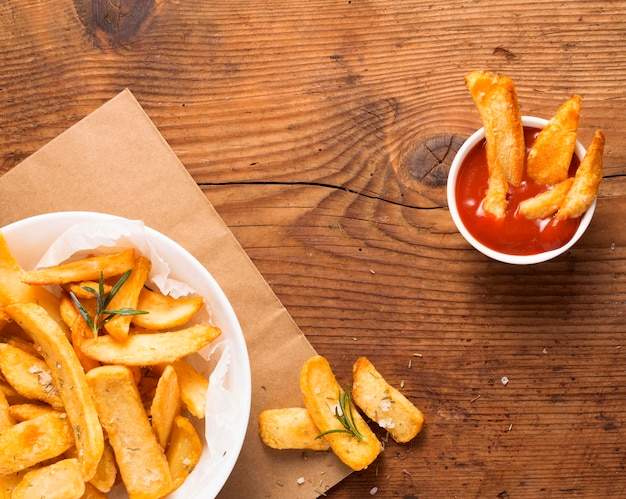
x=115 y=161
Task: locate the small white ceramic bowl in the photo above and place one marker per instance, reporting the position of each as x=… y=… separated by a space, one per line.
x=30 y=238
x=475 y=139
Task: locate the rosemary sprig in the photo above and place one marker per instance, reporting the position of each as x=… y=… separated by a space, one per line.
x=344 y=412
x=103 y=315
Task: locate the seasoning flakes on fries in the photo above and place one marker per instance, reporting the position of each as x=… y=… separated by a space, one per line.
x=547 y=161
x=93 y=383
x=331 y=420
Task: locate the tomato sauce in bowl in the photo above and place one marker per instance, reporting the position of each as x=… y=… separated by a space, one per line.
x=512 y=239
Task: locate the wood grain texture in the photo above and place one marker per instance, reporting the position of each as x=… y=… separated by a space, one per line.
x=322 y=132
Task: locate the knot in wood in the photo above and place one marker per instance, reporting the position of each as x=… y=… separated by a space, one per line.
x=112 y=23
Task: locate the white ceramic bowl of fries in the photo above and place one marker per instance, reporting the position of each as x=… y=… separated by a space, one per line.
x=455 y=205
x=224 y=361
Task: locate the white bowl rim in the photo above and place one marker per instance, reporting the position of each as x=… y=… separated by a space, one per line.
x=468 y=145
x=244 y=381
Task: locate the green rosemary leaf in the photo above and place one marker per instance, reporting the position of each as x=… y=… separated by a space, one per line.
x=345 y=414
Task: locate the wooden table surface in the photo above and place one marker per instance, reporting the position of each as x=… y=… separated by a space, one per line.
x=322 y=132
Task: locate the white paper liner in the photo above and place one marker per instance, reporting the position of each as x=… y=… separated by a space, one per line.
x=222 y=407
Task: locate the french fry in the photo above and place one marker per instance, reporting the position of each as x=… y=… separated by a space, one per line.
x=184 y=451
x=193 y=388
x=52 y=434
x=69 y=379
x=60 y=480
x=92 y=492
x=150 y=349
x=383 y=403
x=6 y=420
x=29 y=375
x=13 y=290
x=86 y=269
x=5 y=319
x=141 y=461
x=24 y=412
x=165 y=405
x=78 y=288
x=549 y=158
x=79 y=331
x=495 y=98
x=290 y=428
x=106 y=472
x=165 y=312
x=127 y=297
x=547 y=203
x=321 y=394
x=586 y=183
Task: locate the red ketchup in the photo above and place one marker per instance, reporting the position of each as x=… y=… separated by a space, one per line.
x=513 y=234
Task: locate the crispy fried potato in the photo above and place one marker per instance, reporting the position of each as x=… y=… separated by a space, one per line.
x=60 y=480
x=79 y=332
x=78 y=288
x=184 y=451
x=5 y=319
x=51 y=433
x=92 y=492
x=141 y=461
x=193 y=388
x=290 y=428
x=127 y=297
x=106 y=473
x=150 y=349
x=85 y=269
x=13 y=290
x=165 y=312
x=24 y=412
x=321 y=392
x=6 y=420
x=495 y=98
x=29 y=375
x=587 y=180
x=165 y=405
x=547 y=203
x=383 y=403
x=495 y=202
x=549 y=158
x=69 y=378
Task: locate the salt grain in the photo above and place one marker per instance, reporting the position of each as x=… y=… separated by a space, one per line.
x=505 y=380
x=373 y=491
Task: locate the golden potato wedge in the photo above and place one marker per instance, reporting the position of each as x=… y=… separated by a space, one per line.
x=127 y=297
x=69 y=378
x=106 y=473
x=79 y=331
x=13 y=290
x=30 y=442
x=586 y=183
x=549 y=158
x=6 y=420
x=150 y=349
x=193 y=387
x=495 y=98
x=92 y=492
x=85 y=269
x=165 y=405
x=29 y=375
x=165 y=312
x=547 y=203
x=495 y=202
x=383 y=403
x=322 y=397
x=24 y=412
x=60 y=480
x=5 y=319
x=140 y=459
x=184 y=451
x=290 y=428
x=78 y=288
x=9 y=482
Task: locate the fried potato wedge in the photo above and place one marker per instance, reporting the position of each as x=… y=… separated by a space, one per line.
x=290 y=428
x=127 y=297
x=165 y=312
x=106 y=473
x=29 y=375
x=5 y=319
x=30 y=442
x=60 y=480
x=69 y=378
x=141 y=461
x=92 y=492
x=13 y=290
x=184 y=450
x=85 y=269
x=549 y=158
x=321 y=393
x=495 y=98
x=587 y=180
x=383 y=403
x=150 y=349
x=547 y=203
x=6 y=420
x=24 y=412
x=78 y=288
x=165 y=405
x=193 y=388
